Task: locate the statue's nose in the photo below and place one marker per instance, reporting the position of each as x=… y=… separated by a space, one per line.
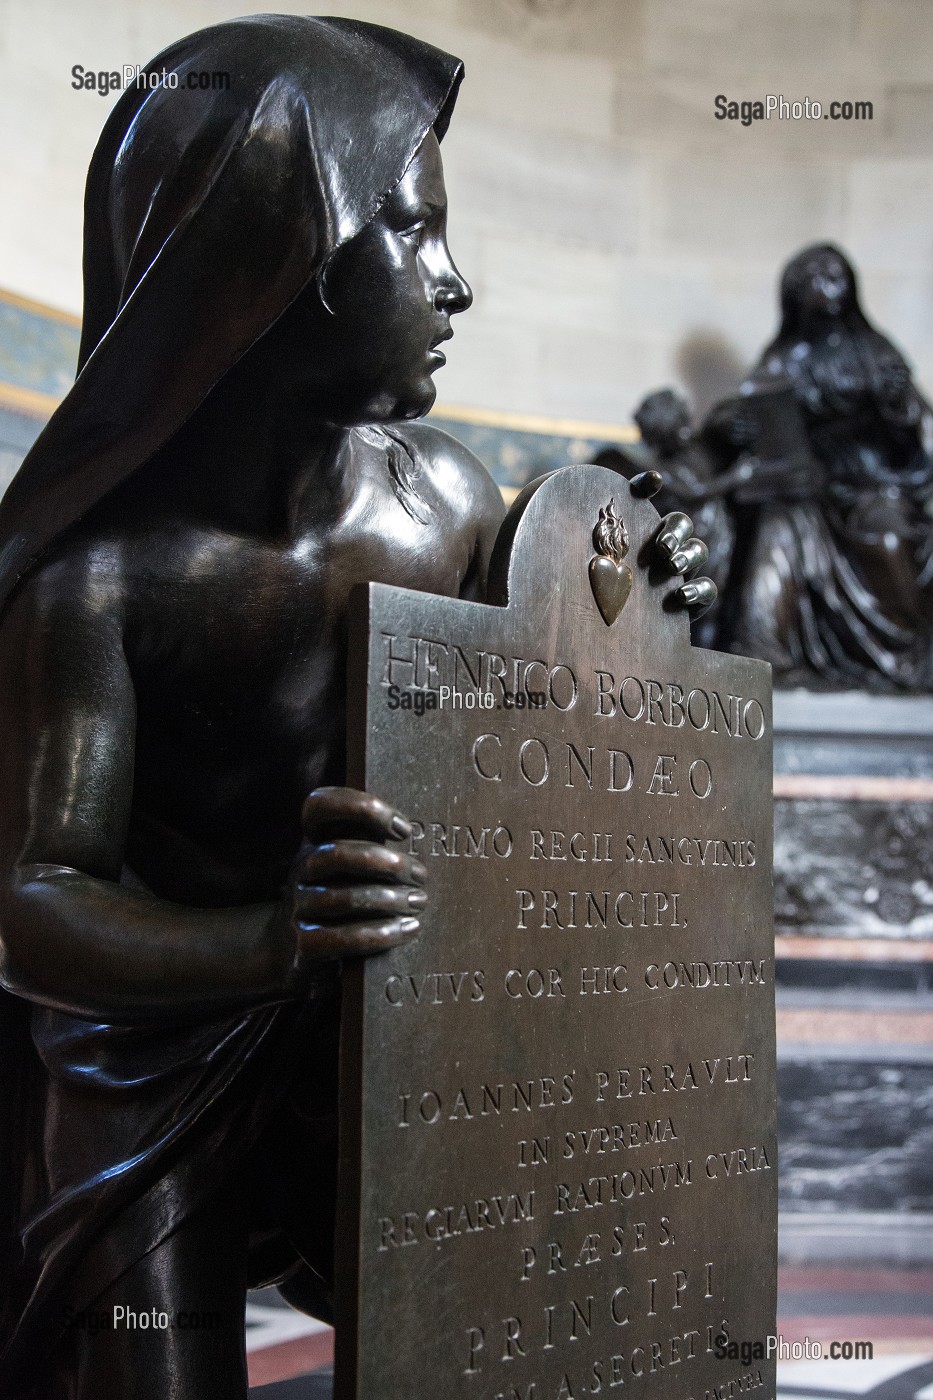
x=454 y=294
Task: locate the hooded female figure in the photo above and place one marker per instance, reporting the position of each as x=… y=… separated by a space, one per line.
x=171 y=682
x=835 y=579
x=267 y=284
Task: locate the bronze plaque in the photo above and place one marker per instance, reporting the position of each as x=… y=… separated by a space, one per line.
x=558 y=1154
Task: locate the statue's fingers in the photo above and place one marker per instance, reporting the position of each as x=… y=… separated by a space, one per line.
x=698 y=596
x=333 y=811
x=691 y=556
x=355 y=940
x=675 y=529
x=315 y=904
x=646 y=484
x=362 y=862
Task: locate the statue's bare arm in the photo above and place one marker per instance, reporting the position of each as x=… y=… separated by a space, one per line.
x=74 y=938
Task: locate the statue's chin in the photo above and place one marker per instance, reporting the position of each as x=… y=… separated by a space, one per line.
x=412 y=403
x=424 y=404
x=386 y=405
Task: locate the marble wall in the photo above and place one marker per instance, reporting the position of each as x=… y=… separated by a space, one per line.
x=617 y=235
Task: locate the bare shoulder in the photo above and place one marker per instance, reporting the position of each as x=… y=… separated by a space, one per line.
x=456 y=474
x=79 y=586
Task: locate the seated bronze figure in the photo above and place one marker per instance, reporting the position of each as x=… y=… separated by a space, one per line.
x=267 y=287
x=831 y=579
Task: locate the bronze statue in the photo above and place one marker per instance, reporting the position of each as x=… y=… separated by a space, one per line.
x=267 y=287
x=832 y=576
x=694 y=481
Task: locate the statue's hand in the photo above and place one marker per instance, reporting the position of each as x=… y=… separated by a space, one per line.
x=351 y=893
x=683 y=553
x=796 y=477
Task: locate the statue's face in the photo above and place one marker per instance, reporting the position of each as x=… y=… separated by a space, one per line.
x=826 y=286
x=664 y=421
x=362 y=342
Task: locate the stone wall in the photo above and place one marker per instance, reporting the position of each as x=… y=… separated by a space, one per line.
x=616 y=234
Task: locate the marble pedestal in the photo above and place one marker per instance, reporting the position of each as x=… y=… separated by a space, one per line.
x=854 y=972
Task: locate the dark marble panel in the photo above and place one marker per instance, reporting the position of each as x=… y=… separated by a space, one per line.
x=824 y=981
x=854 y=869
x=855 y=1135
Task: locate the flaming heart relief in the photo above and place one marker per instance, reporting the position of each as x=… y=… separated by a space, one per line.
x=610 y=579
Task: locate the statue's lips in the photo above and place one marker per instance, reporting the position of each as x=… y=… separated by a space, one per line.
x=437 y=356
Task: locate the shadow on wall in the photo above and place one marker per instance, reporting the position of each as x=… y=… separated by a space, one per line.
x=710 y=368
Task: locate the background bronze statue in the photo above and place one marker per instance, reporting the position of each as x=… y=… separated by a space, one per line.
x=832 y=577
x=267 y=285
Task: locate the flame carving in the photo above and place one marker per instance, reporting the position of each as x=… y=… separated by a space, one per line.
x=610 y=536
